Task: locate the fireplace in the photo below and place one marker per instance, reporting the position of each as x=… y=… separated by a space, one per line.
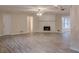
x=46 y=28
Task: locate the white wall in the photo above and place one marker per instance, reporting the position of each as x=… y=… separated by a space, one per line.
x=7 y=22
x=58 y=23
x=1 y=25
x=35 y=23
x=47 y=20
x=74 y=42
x=14 y=23
x=18 y=23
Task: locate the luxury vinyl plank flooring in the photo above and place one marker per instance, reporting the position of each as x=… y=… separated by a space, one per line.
x=36 y=43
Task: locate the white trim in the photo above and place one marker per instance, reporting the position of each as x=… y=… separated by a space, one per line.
x=74 y=49
x=1 y=35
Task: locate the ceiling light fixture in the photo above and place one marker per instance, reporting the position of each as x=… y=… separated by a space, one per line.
x=39 y=13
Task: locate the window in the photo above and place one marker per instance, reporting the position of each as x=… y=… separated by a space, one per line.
x=65 y=23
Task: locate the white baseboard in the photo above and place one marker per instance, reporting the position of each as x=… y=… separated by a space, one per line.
x=13 y=34
x=74 y=49
x=1 y=35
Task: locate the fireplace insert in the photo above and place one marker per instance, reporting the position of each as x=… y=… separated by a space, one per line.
x=46 y=28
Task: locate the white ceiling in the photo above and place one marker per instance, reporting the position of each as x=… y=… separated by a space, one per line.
x=34 y=8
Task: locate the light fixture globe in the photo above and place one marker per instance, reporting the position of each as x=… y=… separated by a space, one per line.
x=39 y=13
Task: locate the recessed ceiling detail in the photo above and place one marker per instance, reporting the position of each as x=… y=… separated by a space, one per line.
x=34 y=8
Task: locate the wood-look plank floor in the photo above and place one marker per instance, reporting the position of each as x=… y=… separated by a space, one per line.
x=35 y=43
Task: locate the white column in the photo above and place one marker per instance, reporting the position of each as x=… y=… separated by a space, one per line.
x=74 y=14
